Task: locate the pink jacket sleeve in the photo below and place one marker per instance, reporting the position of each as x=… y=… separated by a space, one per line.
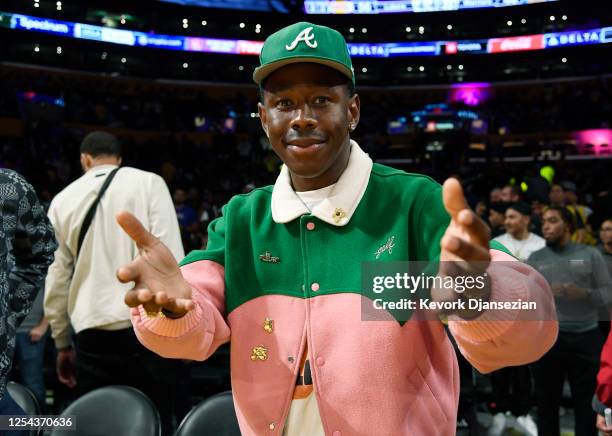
x=499 y=338
x=199 y=333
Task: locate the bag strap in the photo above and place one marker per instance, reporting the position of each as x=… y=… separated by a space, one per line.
x=92 y=210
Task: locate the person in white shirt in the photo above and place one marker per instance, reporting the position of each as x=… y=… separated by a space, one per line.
x=81 y=287
x=512 y=392
x=518 y=239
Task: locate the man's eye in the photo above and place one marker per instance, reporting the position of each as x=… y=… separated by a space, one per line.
x=285 y=102
x=321 y=100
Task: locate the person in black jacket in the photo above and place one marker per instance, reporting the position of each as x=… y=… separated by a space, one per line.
x=27 y=245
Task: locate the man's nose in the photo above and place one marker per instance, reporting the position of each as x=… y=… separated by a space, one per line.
x=304 y=118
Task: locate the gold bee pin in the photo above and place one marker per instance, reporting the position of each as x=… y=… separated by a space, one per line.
x=338 y=215
x=268 y=325
x=260 y=353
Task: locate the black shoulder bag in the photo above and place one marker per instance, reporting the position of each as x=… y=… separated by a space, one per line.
x=92 y=210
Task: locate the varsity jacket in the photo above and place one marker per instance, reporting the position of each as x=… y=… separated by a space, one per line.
x=274 y=276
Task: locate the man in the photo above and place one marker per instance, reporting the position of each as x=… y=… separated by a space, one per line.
x=281 y=272
x=581 y=212
x=518 y=239
x=497 y=216
x=30 y=349
x=27 y=244
x=605 y=248
x=81 y=290
x=510 y=194
x=581 y=284
x=558 y=198
x=512 y=386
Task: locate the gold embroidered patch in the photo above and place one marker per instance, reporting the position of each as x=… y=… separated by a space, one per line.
x=268 y=325
x=260 y=353
x=267 y=257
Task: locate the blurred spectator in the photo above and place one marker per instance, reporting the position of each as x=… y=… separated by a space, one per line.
x=497 y=216
x=580 y=282
x=27 y=244
x=512 y=386
x=510 y=194
x=81 y=288
x=557 y=197
x=605 y=248
x=580 y=211
x=518 y=239
x=603 y=396
x=495 y=195
x=188 y=221
x=30 y=349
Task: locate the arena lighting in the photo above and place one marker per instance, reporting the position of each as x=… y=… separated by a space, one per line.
x=408 y=29
x=58 y=50
x=364 y=30
x=470 y=94
x=242 y=25
x=352 y=30
x=403 y=6
x=364 y=70
x=123 y=60
x=204 y=22
x=595 y=141
x=449 y=27
x=185 y=65
x=249 y=47
x=564 y=60
x=36 y=48
x=523 y=21
x=509 y=23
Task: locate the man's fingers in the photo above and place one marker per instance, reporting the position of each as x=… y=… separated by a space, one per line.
x=474 y=226
x=463 y=249
x=135 y=230
x=128 y=273
x=453 y=198
x=180 y=305
x=136 y=297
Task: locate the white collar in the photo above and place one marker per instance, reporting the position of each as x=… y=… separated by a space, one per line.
x=339 y=206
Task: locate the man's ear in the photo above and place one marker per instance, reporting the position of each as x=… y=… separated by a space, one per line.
x=263 y=118
x=86 y=161
x=119 y=161
x=354 y=110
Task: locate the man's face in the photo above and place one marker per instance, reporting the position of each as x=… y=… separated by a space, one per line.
x=553 y=226
x=496 y=219
x=495 y=195
x=605 y=232
x=556 y=195
x=179 y=197
x=515 y=222
x=307 y=113
x=506 y=194
x=570 y=197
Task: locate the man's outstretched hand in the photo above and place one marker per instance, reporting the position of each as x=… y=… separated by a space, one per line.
x=464 y=247
x=159 y=283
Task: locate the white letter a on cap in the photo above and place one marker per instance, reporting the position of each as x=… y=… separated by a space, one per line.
x=304 y=36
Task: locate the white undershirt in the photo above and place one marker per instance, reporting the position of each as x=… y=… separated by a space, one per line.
x=304 y=418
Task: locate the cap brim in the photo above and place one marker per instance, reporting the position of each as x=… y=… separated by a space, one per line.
x=264 y=71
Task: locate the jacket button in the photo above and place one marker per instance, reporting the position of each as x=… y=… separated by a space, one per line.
x=290 y=359
x=310 y=226
x=320 y=361
x=314 y=287
x=271 y=426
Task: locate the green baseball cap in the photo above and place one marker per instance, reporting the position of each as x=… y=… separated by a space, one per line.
x=304 y=42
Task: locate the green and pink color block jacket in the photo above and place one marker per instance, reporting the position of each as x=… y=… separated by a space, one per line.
x=275 y=276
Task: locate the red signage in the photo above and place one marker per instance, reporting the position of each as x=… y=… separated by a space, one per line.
x=518 y=43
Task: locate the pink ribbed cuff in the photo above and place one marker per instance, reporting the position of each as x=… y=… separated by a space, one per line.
x=506 y=285
x=167 y=327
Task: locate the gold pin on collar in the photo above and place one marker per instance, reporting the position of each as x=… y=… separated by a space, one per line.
x=338 y=215
x=260 y=353
x=268 y=325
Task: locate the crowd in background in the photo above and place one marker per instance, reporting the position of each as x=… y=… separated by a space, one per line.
x=203 y=174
